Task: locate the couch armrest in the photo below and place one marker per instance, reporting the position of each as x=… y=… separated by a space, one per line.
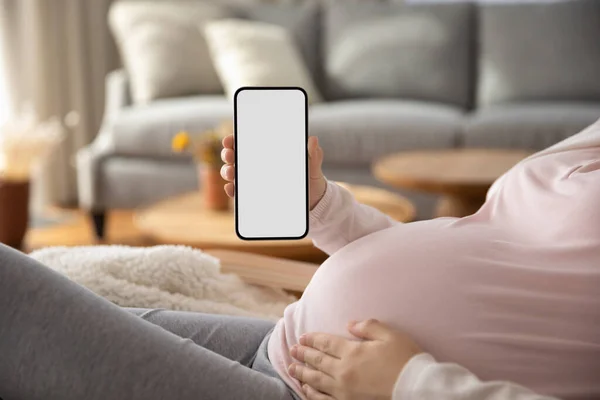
x=90 y=157
x=118 y=94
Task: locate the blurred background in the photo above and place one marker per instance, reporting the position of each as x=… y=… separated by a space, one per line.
x=388 y=80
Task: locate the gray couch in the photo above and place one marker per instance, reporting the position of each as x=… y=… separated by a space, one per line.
x=422 y=76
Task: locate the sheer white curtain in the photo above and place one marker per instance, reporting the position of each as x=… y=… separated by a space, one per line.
x=5 y=107
x=56 y=56
x=5 y=104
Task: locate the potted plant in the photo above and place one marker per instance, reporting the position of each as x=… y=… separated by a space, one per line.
x=206 y=149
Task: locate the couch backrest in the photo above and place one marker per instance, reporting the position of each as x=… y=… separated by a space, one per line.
x=467 y=54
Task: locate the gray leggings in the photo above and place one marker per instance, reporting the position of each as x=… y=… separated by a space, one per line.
x=58 y=340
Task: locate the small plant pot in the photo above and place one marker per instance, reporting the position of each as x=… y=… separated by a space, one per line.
x=14 y=212
x=212 y=188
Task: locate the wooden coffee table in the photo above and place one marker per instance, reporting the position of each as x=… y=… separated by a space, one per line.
x=461 y=176
x=183 y=220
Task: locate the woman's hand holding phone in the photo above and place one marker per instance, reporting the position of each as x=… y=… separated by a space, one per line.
x=317 y=181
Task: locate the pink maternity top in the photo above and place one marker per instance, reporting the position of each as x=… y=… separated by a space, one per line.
x=510 y=293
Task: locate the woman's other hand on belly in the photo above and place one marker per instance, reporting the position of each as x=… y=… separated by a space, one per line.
x=342 y=369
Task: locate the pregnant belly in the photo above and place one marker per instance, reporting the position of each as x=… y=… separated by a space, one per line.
x=494 y=316
x=406 y=283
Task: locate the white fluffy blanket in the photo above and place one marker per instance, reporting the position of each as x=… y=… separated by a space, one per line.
x=171 y=277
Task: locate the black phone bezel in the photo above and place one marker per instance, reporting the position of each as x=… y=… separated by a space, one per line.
x=306 y=163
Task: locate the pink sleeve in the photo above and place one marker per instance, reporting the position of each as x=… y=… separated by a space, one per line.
x=338 y=219
x=425 y=379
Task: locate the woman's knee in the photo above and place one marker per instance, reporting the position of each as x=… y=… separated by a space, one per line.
x=21 y=273
x=12 y=261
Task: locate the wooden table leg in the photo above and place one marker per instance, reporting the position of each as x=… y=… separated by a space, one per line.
x=458 y=206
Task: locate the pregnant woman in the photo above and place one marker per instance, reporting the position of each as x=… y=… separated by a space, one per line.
x=511 y=293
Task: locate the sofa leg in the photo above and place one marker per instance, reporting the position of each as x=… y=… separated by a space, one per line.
x=99 y=221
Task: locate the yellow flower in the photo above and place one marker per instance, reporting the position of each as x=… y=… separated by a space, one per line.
x=206 y=147
x=180 y=142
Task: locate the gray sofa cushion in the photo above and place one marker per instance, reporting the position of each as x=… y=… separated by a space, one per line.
x=379 y=49
x=357 y=132
x=131 y=182
x=532 y=126
x=303 y=22
x=147 y=130
x=538 y=52
x=353 y=132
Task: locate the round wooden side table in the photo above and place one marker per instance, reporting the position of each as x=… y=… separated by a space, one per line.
x=461 y=177
x=183 y=220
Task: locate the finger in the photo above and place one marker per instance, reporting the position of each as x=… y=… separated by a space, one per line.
x=316 y=379
x=230 y=189
x=228 y=172
x=228 y=156
x=328 y=344
x=228 y=142
x=316 y=359
x=314 y=394
x=371 y=329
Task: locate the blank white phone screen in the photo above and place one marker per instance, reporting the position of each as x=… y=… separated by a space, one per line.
x=271 y=183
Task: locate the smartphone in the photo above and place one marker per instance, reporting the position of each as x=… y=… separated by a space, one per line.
x=271 y=163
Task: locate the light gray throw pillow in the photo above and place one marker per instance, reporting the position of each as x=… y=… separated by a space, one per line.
x=163 y=50
x=303 y=21
x=380 y=49
x=536 y=51
x=252 y=53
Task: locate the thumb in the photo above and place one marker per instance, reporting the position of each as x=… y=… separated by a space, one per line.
x=370 y=329
x=315 y=154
